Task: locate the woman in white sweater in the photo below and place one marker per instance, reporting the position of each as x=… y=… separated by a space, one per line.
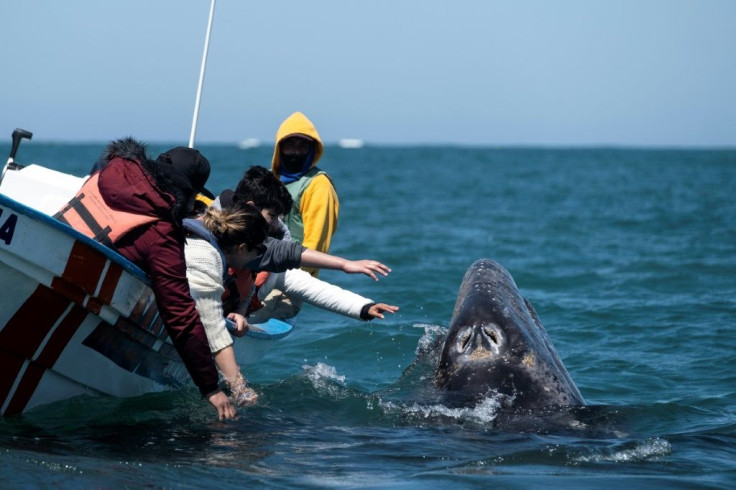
x=236 y=237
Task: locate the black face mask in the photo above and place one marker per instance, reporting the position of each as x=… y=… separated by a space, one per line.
x=293 y=163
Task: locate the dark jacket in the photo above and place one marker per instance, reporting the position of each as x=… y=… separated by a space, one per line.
x=280 y=255
x=158 y=249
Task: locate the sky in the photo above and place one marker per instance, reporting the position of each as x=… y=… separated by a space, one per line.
x=468 y=72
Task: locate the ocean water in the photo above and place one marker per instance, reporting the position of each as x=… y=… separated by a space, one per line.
x=628 y=255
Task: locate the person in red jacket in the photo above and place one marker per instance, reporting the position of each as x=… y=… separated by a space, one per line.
x=136 y=206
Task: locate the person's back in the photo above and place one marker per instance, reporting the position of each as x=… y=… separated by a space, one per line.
x=312 y=220
x=136 y=206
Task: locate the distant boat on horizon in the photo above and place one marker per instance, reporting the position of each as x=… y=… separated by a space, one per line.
x=249 y=143
x=351 y=143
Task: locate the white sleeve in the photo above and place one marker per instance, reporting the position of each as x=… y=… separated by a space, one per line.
x=204 y=272
x=317 y=292
x=275 y=280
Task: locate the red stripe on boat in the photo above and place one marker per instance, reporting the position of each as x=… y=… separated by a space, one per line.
x=46 y=358
x=30 y=324
x=26 y=330
x=10 y=366
x=107 y=288
x=110 y=283
x=61 y=336
x=84 y=267
x=26 y=387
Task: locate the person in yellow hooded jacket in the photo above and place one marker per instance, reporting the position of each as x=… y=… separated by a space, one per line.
x=312 y=219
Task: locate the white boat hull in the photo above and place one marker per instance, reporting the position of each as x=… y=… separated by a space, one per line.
x=75 y=317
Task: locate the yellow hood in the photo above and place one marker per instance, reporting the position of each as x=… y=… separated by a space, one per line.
x=297 y=123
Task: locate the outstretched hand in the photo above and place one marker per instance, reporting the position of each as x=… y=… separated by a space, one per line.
x=377 y=310
x=367 y=267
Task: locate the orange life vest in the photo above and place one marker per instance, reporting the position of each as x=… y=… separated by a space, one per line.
x=243 y=286
x=88 y=213
x=255 y=303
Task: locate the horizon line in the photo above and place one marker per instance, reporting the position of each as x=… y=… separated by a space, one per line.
x=415 y=144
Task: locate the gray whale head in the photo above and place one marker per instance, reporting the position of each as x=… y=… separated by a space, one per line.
x=497 y=344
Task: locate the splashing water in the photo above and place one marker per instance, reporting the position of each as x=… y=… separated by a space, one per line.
x=650 y=449
x=484 y=413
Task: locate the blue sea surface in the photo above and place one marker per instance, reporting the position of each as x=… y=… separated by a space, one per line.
x=628 y=256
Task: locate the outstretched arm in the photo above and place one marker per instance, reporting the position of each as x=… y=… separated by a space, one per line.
x=312 y=258
x=300 y=285
x=377 y=310
x=281 y=255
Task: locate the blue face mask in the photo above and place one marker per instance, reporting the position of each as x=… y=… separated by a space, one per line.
x=288 y=177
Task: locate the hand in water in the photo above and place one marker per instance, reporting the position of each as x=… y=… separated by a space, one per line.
x=242 y=394
x=223 y=405
x=245 y=397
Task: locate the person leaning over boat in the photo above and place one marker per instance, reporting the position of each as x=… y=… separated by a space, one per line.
x=136 y=206
x=312 y=220
x=262 y=189
x=236 y=236
x=218 y=238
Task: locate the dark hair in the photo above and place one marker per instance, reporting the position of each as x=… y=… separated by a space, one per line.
x=239 y=223
x=181 y=172
x=264 y=189
x=164 y=183
x=185 y=166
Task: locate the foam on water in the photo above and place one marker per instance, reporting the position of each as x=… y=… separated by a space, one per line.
x=650 y=449
x=483 y=413
x=317 y=374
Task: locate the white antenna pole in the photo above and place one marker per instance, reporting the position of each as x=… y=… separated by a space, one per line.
x=201 y=75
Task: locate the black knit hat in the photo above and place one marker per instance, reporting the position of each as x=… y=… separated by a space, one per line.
x=187 y=168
